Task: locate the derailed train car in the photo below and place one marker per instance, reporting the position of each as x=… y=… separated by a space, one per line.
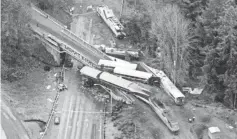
x=128 y=71
x=96 y=76
x=167 y=85
x=109 y=65
x=162 y=113
x=119 y=53
x=136 y=75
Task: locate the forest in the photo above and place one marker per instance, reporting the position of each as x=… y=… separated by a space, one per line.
x=197 y=40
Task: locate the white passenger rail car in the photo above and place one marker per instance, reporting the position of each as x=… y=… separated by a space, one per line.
x=161 y=112
x=143 y=94
x=166 y=84
x=110 y=65
x=170 y=88
x=93 y=76
x=136 y=75
x=119 y=53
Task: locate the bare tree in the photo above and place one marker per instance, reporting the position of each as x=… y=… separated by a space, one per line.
x=171 y=30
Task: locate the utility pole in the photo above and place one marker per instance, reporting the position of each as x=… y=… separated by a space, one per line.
x=111 y=103
x=121 y=11
x=89 y=32
x=176 y=50
x=92 y=39
x=135 y=4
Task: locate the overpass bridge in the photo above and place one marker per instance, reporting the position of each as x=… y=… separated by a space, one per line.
x=44 y=25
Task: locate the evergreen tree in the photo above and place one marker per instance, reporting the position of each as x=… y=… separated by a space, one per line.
x=193 y=8
x=219 y=22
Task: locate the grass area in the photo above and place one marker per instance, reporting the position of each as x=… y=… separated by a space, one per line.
x=29 y=94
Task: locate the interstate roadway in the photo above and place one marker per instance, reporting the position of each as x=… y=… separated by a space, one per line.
x=80 y=115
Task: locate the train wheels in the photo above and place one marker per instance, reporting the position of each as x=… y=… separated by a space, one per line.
x=127 y=56
x=154 y=81
x=88 y=83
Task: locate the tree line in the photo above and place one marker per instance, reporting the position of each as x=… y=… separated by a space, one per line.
x=197 y=40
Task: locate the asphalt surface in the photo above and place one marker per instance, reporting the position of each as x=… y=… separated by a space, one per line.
x=80 y=116
x=11 y=125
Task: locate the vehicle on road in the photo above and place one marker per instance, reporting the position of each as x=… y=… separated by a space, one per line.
x=57 y=120
x=111 y=20
x=62 y=87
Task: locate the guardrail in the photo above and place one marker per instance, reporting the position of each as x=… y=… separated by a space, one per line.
x=47 y=16
x=51 y=114
x=70 y=34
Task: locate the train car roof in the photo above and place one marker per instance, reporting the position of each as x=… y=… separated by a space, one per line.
x=133 y=73
x=167 y=82
x=134 y=88
x=114 y=64
x=175 y=91
x=115 y=80
x=91 y=72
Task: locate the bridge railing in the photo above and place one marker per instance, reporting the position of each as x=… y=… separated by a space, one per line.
x=70 y=34
x=47 y=16
x=83 y=42
x=78 y=56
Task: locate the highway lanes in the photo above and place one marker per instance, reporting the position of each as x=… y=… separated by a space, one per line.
x=80 y=120
x=80 y=116
x=11 y=125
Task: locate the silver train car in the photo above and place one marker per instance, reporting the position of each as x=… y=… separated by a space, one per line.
x=135 y=75
x=110 y=65
x=161 y=112
x=96 y=76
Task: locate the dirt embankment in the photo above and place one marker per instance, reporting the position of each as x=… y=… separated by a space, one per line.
x=24 y=86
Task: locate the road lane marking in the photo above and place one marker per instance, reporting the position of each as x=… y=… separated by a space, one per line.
x=93 y=135
x=71 y=101
x=85 y=124
x=63 y=117
x=89 y=126
x=89 y=121
x=100 y=127
x=75 y=117
x=7 y=109
x=80 y=118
